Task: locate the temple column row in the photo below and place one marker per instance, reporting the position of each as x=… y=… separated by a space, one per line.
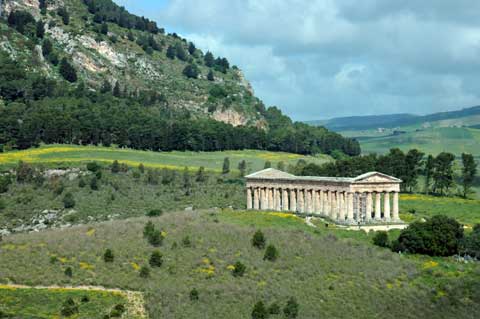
x=341 y=206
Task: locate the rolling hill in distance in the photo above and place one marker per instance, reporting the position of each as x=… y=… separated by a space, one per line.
x=453 y=131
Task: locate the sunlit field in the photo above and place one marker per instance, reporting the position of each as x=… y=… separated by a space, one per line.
x=73 y=155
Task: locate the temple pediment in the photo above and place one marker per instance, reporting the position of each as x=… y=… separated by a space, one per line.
x=270 y=173
x=376 y=177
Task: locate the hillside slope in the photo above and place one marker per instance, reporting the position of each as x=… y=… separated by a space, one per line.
x=102 y=50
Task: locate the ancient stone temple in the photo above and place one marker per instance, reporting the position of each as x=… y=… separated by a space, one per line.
x=365 y=199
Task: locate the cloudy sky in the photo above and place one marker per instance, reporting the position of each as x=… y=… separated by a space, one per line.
x=318 y=59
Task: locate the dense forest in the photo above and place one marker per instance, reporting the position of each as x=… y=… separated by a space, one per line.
x=36 y=108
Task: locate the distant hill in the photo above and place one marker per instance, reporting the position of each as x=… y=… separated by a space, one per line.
x=354 y=123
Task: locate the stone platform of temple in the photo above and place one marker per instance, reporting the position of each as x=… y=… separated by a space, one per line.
x=366 y=199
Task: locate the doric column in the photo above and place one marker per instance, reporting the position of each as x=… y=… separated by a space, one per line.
x=341 y=208
x=378 y=206
x=368 y=208
x=301 y=200
x=256 y=199
x=285 y=200
x=334 y=206
x=274 y=197
x=262 y=198
x=270 y=199
x=319 y=208
x=293 y=200
x=350 y=218
x=249 y=198
x=327 y=203
x=309 y=201
x=395 y=215
x=279 y=199
x=316 y=195
x=386 y=208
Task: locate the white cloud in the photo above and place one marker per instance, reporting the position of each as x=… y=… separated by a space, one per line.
x=323 y=58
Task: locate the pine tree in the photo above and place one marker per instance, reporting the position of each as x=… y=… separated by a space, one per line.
x=191 y=71
x=180 y=51
x=209 y=59
x=191 y=48
x=108 y=256
x=67 y=71
x=106 y=87
x=40 y=29
x=259 y=311
x=116 y=90
x=242 y=167
x=200 y=177
x=47 y=47
x=156 y=259
x=171 y=53
x=211 y=76
x=104 y=28
x=428 y=172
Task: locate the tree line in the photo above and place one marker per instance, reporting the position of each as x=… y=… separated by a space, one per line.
x=437 y=171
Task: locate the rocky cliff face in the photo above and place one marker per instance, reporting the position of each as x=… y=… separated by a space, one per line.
x=117 y=56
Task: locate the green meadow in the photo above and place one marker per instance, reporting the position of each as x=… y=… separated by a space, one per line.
x=39 y=303
x=74 y=155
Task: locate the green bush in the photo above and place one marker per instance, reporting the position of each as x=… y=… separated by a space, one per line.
x=93 y=167
x=5 y=181
x=471 y=244
x=259 y=311
x=69 y=308
x=145 y=272
x=381 y=239
x=94 y=183
x=438 y=236
x=186 y=242
x=115 y=168
x=194 y=296
x=117 y=311
x=81 y=183
x=2 y=204
x=156 y=259
x=239 y=269
x=68 y=272
x=108 y=256
x=274 y=309
x=155 y=238
x=148 y=229
x=154 y=212
x=258 y=240
x=68 y=201
x=271 y=253
x=291 y=308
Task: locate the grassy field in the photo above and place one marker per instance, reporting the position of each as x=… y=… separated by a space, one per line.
x=321 y=270
x=74 y=155
x=35 y=303
x=456 y=140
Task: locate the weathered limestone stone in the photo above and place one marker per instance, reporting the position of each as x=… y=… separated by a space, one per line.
x=345 y=200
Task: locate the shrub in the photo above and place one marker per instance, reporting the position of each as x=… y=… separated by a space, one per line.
x=2 y=204
x=68 y=201
x=291 y=308
x=115 y=168
x=438 y=236
x=186 y=242
x=94 y=183
x=148 y=229
x=24 y=172
x=5 y=182
x=69 y=308
x=68 y=272
x=271 y=253
x=108 y=256
x=258 y=240
x=259 y=311
x=154 y=212
x=239 y=269
x=144 y=272
x=117 y=311
x=381 y=239
x=156 y=259
x=194 y=295
x=274 y=309
x=155 y=238
x=93 y=167
x=85 y=299
x=141 y=168
x=471 y=244
x=67 y=71
x=81 y=183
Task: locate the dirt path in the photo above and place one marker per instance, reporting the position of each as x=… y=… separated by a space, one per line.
x=135 y=307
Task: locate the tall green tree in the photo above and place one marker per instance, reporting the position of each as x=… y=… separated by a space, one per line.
x=413 y=168
x=171 y=53
x=40 y=29
x=428 y=172
x=469 y=170
x=242 y=167
x=443 y=173
x=209 y=59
